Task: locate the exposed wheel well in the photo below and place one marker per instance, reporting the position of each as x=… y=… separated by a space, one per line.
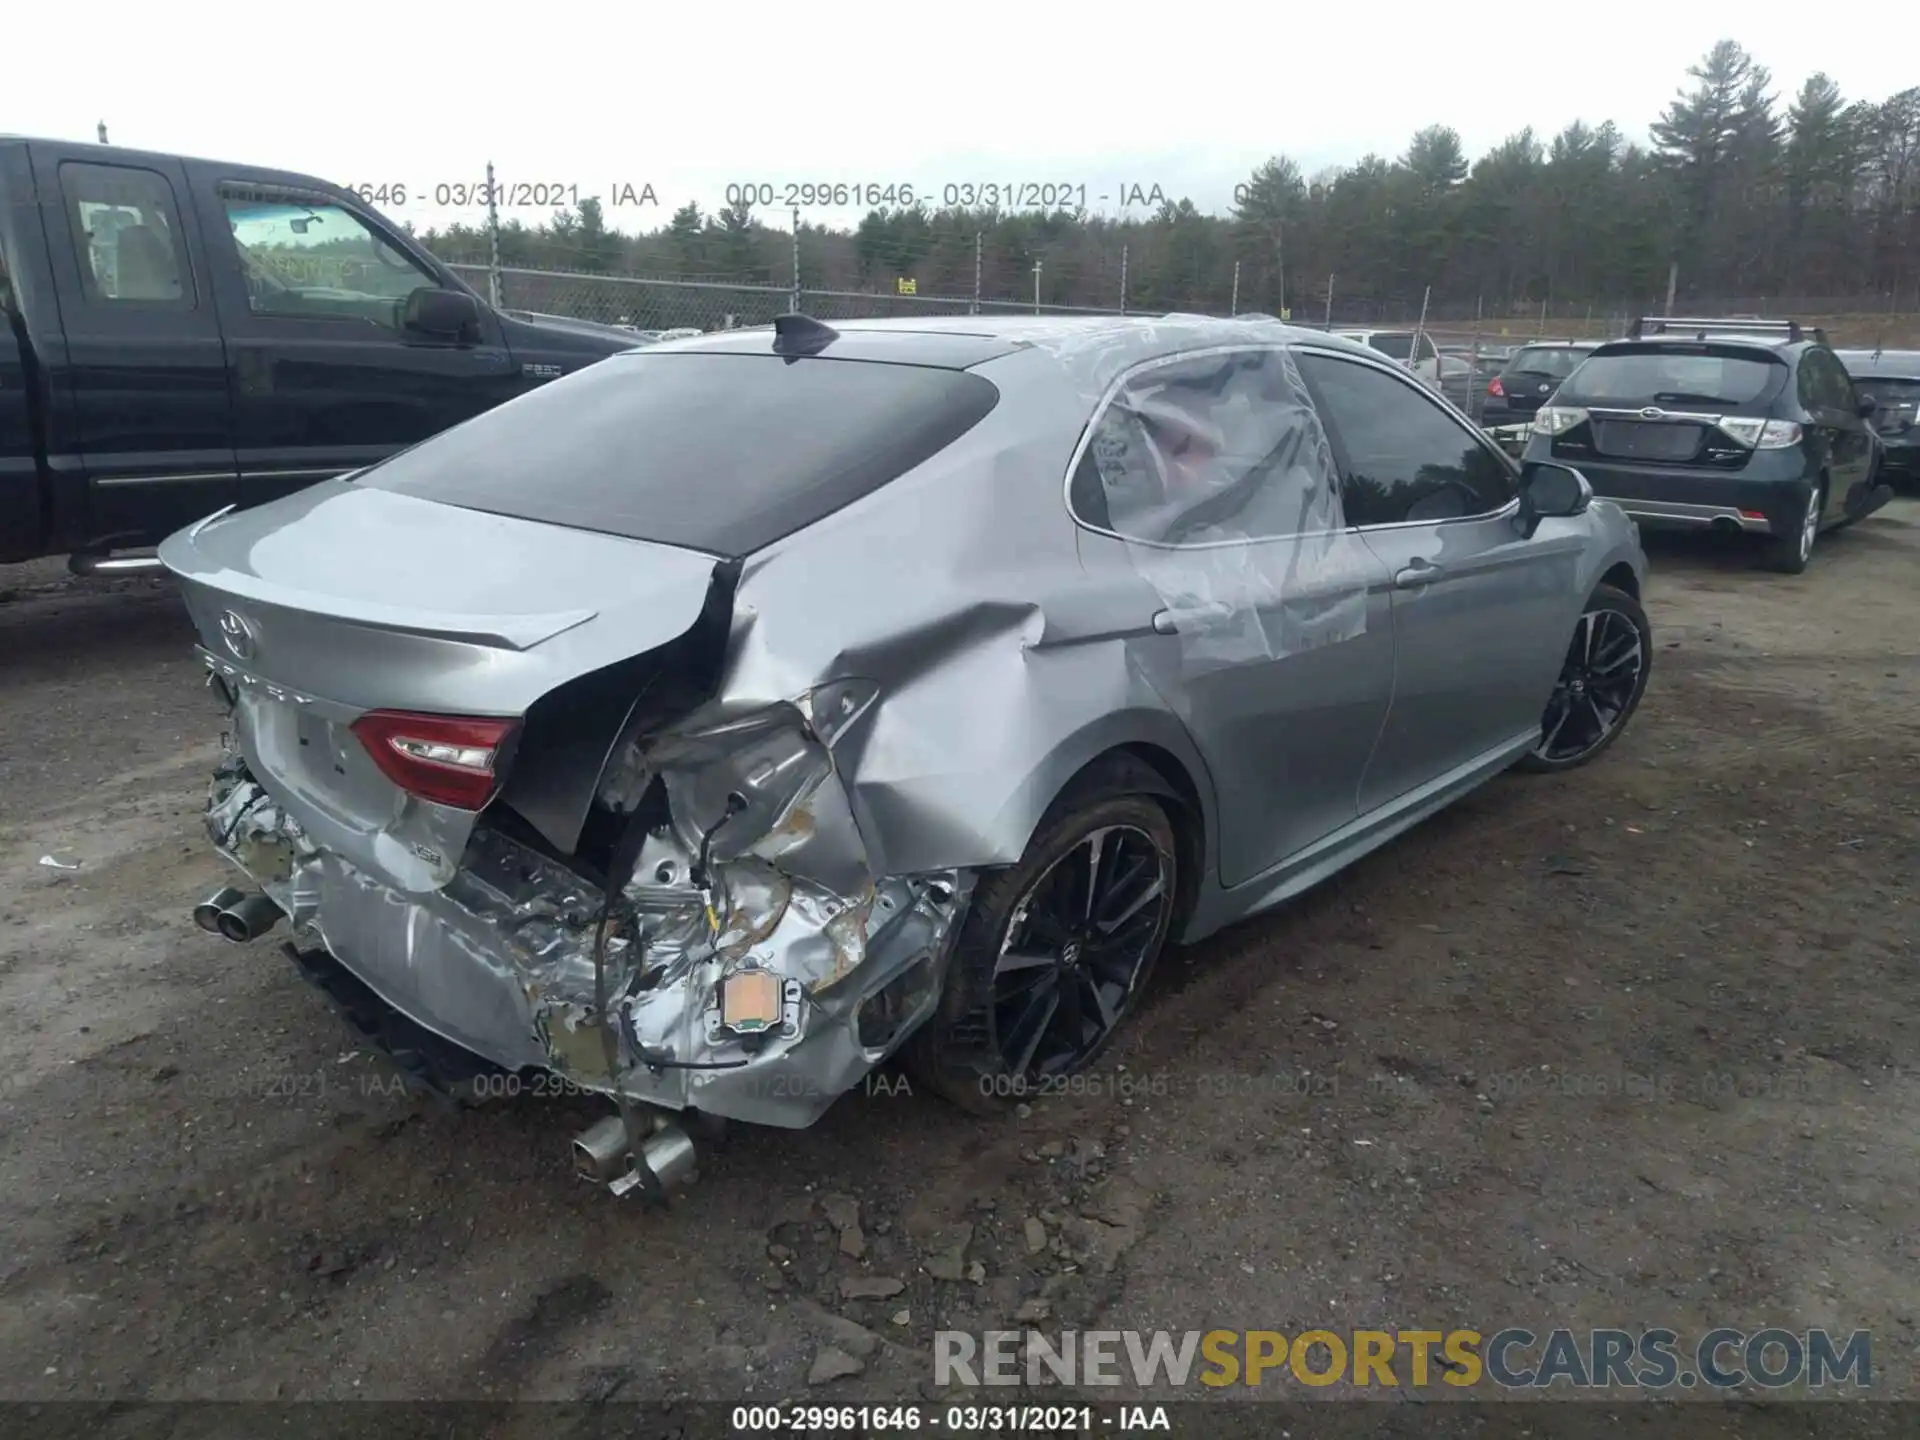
x=1621 y=577
x=1150 y=763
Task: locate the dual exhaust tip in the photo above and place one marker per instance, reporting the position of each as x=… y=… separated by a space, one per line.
x=665 y=1159
x=236 y=915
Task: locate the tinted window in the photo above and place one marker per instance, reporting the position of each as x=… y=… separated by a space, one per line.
x=722 y=453
x=1219 y=447
x=1698 y=376
x=1392 y=344
x=1402 y=456
x=1556 y=362
x=1827 y=381
x=315 y=260
x=126 y=235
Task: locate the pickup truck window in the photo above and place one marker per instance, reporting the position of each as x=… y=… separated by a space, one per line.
x=310 y=259
x=126 y=235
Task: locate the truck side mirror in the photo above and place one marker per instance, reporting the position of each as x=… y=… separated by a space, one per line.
x=443 y=314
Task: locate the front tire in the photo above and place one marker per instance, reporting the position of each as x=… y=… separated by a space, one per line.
x=1054 y=951
x=1601 y=681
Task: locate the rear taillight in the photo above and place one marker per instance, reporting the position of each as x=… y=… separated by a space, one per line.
x=448 y=759
x=1493 y=387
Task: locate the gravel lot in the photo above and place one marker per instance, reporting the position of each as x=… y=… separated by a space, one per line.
x=1377 y=1107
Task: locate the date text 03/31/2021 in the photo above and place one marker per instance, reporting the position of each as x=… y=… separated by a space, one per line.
x=1001 y=194
x=505 y=194
x=951 y=1420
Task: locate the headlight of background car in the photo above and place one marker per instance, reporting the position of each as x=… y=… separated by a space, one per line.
x=1553 y=420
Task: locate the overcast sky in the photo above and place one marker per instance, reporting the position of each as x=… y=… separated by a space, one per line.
x=588 y=97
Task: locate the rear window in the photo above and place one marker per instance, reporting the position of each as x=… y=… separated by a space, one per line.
x=1393 y=346
x=721 y=453
x=1699 y=375
x=1554 y=361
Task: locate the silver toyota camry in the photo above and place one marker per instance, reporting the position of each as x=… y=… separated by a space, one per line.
x=707 y=727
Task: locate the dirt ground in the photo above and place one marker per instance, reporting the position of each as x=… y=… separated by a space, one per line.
x=1398 y=1102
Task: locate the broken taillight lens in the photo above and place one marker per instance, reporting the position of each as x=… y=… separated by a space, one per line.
x=448 y=759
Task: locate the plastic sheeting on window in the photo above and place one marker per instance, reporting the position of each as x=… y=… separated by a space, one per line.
x=1215 y=471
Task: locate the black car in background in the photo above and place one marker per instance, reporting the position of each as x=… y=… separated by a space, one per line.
x=1742 y=425
x=1891 y=379
x=1528 y=378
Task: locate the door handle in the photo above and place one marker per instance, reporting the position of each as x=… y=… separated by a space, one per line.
x=1416 y=573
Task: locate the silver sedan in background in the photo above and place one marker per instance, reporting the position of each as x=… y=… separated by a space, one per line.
x=712 y=724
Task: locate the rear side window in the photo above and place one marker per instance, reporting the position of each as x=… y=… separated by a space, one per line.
x=1393 y=346
x=126 y=235
x=1824 y=382
x=721 y=453
x=1698 y=375
x=1206 y=449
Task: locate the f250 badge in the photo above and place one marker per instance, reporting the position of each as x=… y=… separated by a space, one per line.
x=541 y=372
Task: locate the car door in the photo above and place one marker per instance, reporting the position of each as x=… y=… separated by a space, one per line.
x=1206 y=492
x=1827 y=394
x=323 y=376
x=1481 y=616
x=145 y=362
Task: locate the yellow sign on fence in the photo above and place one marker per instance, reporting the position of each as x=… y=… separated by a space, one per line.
x=905 y=286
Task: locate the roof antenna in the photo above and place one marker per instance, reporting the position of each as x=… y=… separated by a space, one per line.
x=797 y=335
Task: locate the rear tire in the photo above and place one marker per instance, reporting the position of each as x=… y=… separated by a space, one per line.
x=1054 y=951
x=1601 y=681
x=1789 y=554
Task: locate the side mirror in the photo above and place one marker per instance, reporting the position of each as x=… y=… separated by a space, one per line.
x=1547 y=488
x=444 y=314
x=1866 y=407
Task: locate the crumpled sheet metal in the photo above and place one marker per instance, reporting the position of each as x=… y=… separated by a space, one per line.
x=500 y=961
x=1214 y=470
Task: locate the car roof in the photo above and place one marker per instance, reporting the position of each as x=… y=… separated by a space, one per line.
x=959 y=342
x=1881 y=364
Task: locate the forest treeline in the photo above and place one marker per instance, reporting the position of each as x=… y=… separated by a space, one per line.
x=1747 y=191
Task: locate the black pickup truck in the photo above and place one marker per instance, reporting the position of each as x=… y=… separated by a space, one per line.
x=180 y=335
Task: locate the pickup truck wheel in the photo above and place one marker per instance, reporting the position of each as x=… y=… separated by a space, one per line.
x=1052 y=954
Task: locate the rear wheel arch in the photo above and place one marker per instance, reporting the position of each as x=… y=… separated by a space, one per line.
x=1622 y=578
x=1141 y=767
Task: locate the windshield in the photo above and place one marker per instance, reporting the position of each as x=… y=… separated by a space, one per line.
x=1554 y=361
x=724 y=453
x=1394 y=344
x=1673 y=377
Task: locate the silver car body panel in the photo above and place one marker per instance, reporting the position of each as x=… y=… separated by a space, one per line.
x=904 y=688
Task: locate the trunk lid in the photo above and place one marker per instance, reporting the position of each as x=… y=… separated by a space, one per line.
x=339 y=600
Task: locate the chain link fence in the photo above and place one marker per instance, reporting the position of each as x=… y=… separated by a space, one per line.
x=653 y=303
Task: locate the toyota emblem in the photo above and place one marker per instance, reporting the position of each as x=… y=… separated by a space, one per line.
x=1652 y=412
x=1545 y=388
x=236 y=635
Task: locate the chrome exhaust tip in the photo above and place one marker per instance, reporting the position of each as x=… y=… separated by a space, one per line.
x=207 y=913
x=600 y=1154
x=248 y=919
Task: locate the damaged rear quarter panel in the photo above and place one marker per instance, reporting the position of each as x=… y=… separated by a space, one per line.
x=1001 y=672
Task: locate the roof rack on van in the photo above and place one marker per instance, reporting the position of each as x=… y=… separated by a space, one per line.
x=1700 y=328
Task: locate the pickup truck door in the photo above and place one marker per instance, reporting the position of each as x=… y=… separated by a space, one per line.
x=323 y=378
x=145 y=364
